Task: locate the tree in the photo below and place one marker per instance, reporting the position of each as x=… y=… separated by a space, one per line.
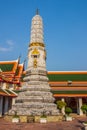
x=61 y=104
x=84 y=108
x=68 y=110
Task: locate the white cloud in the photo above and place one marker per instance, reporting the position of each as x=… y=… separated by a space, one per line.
x=10 y=42
x=9 y=48
x=5 y=49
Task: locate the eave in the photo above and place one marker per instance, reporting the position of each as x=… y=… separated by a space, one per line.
x=69 y=93
x=8 y=93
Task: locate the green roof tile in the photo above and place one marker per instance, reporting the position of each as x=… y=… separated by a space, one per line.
x=67 y=77
x=6 y=67
x=69 y=92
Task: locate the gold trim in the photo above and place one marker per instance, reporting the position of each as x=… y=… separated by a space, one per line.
x=37 y=44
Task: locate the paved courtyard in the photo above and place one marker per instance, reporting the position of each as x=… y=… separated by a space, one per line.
x=76 y=124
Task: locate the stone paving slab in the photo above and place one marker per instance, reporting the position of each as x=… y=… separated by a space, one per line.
x=76 y=124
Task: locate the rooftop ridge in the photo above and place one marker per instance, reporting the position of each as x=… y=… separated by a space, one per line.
x=9 y=61
x=21 y=64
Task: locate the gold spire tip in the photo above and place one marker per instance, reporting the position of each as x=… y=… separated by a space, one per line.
x=37 y=11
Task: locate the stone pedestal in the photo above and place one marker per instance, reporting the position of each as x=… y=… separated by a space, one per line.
x=43 y=120
x=69 y=118
x=15 y=120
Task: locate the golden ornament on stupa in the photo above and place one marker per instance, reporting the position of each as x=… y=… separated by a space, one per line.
x=35 y=52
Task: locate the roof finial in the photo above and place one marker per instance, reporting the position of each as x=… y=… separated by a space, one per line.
x=19 y=58
x=24 y=60
x=37 y=11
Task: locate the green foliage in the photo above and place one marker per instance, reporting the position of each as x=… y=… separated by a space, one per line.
x=43 y=115
x=68 y=110
x=15 y=115
x=60 y=104
x=84 y=108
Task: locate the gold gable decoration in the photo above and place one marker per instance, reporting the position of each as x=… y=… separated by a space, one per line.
x=35 y=52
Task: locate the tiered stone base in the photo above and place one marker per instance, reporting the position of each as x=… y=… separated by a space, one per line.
x=34 y=104
x=35 y=97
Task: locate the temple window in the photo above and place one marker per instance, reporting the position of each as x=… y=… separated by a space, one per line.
x=35 y=56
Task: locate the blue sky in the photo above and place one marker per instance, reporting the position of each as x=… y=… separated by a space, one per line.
x=65 y=31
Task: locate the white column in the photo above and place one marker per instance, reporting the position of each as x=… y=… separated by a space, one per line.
x=6 y=105
x=80 y=112
x=1 y=105
x=13 y=101
x=63 y=109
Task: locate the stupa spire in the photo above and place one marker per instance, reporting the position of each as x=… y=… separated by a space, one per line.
x=37 y=29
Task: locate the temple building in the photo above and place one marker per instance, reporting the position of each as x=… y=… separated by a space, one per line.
x=71 y=87
x=39 y=87
x=10 y=80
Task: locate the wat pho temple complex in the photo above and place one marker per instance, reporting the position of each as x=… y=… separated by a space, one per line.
x=35 y=90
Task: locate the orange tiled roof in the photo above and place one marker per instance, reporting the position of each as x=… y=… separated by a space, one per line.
x=70 y=95
x=11 y=71
x=8 y=66
x=67 y=72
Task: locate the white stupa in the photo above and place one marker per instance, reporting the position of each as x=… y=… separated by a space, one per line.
x=35 y=97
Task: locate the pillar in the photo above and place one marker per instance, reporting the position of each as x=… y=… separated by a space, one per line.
x=13 y=101
x=6 y=105
x=63 y=109
x=80 y=112
x=1 y=105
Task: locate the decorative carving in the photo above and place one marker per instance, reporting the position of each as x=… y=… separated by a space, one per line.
x=35 y=63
